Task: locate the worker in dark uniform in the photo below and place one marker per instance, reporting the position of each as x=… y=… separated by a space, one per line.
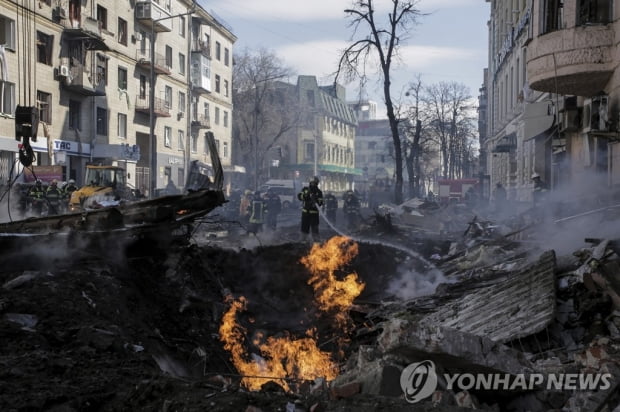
x=311 y=198
x=67 y=192
x=351 y=208
x=36 y=195
x=53 y=195
x=331 y=207
x=274 y=206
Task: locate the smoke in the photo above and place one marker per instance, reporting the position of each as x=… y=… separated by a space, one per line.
x=408 y=283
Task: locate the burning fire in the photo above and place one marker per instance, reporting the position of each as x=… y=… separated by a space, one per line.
x=281 y=357
x=333 y=295
x=285 y=358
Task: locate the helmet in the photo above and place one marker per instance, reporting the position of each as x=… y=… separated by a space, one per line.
x=54 y=182
x=71 y=181
x=248 y=192
x=315 y=180
x=535 y=175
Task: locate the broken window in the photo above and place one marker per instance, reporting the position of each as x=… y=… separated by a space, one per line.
x=122 y=31
x=7 y=102
x=102 y=121
x=593 y=12
x=74 y=114
x=122 y=125
x=102 y=17
x=44 y=48
x=44 y=100
x=552 y=15
x=7 y=32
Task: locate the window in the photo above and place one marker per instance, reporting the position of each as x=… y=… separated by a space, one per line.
x=75 y=108
x=122 y=126
x=169 y=57
x=182 y=26
x=7 y=102
x=225 y=153
x=226 y=56
x=310 y=96
x=205 y=149
x=218 y=50
x=194 y=144
x=122 y=32
x=226 y=88
x=206 y=110
x=181 y=63
x=167 y=136
x=217 y=115
x=102 y=121
x=102 y=70
x=7 y=32
x=217 y=83
x=225 y=118
x=44 y=100
x=309 y=151
x=181 y=141
x=142 y=86
x=372 y=145
x=217 y=145
x=44 y=48
x=180 y=176
x=182 y=102
x=102 y=17
x=122 y=78
x=168 y=97
x=593 y=12
x=552 y=15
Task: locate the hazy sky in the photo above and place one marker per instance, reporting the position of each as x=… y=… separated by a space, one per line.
x=449 y=44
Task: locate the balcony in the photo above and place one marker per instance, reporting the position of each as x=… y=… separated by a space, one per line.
x=199 y=46
x=574 y=61
x=161 y=108
x=150 y=13
x=143 y=59
x=201 y=122
x=84 y=29
x=79 y=80
x=201 y=73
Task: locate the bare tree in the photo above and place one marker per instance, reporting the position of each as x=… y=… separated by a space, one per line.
x=264 y=111
x=379 y=41
x=452 y=125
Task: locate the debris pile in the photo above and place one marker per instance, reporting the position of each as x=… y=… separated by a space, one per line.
x=377 y=322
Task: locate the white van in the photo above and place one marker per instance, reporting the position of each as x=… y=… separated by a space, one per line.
x=286 y=189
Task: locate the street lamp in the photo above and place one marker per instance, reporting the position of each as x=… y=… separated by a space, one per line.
x=152 y=140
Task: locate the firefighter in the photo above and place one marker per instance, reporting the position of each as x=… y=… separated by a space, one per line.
x=330 y=207
x=311 y=198
x=274 y=207
x=53 y=195
x=67 y=192
x=540 y=189
x=244 y=207
x=36 y=195
x=256 y=213
x=351 y=208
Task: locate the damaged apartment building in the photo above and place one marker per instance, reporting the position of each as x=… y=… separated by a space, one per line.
x=551 y=94
x=99 y=71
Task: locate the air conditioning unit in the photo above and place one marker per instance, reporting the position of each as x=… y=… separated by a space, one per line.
x=60 y=13
x=596 y=114
x=63 y=71
x=180 y=115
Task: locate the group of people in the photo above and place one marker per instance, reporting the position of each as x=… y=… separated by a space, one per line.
x=52 y=199
x=256 y=209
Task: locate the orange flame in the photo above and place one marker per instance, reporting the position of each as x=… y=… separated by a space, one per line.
x=331 y=294
x=281 y=357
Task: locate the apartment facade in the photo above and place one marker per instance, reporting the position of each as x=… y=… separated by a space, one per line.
x=323 y=143
x=553 y=96
x=99 y=71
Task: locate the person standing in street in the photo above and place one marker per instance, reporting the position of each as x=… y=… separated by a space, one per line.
x=274 y=206
x=331 y=207
x=256 y=213
x=53 y=195
x=351 y=209
x=311 y=198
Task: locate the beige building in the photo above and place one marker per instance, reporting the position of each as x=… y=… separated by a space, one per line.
x=88 y=68
x=553 y=96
